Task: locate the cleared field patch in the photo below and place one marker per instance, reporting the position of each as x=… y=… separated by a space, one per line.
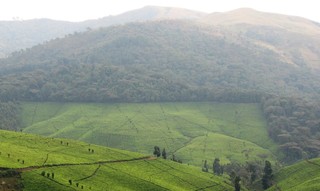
x=136 y=175
x=20 y=150
x=226 y=148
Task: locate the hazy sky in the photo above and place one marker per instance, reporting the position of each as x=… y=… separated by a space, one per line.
x=79 y=10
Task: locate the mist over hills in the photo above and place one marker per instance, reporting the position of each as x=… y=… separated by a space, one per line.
x=294 y=39
x=17 y=35
x=147 y=13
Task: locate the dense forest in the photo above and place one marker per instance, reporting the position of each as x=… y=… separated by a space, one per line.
x=10 y=116
x=293 y=123
x=154 y=61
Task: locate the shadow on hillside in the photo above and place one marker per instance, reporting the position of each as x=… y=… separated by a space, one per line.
x=10 y=180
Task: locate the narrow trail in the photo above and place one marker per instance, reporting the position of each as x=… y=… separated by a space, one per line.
x=93 y=174
x=24 y=169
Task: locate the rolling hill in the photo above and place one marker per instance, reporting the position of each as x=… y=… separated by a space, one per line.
x=32 y=162
x=159 y=58
x=193 y=132
x=177 y=60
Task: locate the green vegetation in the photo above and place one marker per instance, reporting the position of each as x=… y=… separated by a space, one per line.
x=139 y=175
x=226 y=148
x=163 y=61
x=35 y=150
x=62 y=164
x=302 y=176
x=10 y=115
x=171 y=60
x=294 y=124
x=191 y=131
x=158 y=61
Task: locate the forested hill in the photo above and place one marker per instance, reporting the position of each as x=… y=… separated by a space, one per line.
x=248 y=57
x=158 y=61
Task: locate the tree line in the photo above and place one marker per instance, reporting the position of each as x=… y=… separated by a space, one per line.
x=293 y=123
x=248 y=174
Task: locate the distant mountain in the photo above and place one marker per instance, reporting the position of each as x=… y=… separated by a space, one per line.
x=296 y=40
x=247 y=16
x=16 y=35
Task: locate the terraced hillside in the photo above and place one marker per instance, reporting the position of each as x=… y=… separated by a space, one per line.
x=192 y=131
x=302 y=176
x=40 y=163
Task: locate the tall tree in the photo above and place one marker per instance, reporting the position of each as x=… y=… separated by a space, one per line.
x=205 y=167
x=164 y=153
x=267 y=176
x=237 y=185
x=157 y=151
x=217 y=170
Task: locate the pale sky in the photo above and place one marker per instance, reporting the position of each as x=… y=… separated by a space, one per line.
x=79 y=10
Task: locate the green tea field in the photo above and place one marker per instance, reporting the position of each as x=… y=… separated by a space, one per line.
x=32 y=162
x=192 y=132
x=302 y=176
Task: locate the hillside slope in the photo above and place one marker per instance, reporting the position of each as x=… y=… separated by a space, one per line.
x=60 y=164
x=294 y=39
x=303 y=176
x=193 y=132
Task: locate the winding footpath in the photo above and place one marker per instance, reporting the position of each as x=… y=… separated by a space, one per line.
x=24 y=169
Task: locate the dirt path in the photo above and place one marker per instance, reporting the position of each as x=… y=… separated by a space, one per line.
x=86 y=163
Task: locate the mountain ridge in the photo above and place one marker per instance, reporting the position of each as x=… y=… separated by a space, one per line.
x=17 y=35
x=254 y=17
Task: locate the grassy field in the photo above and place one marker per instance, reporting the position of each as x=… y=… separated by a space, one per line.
x=20 y=150
x=191 y=131
x=303 y=176
x=62 y=160
x=139 y=175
